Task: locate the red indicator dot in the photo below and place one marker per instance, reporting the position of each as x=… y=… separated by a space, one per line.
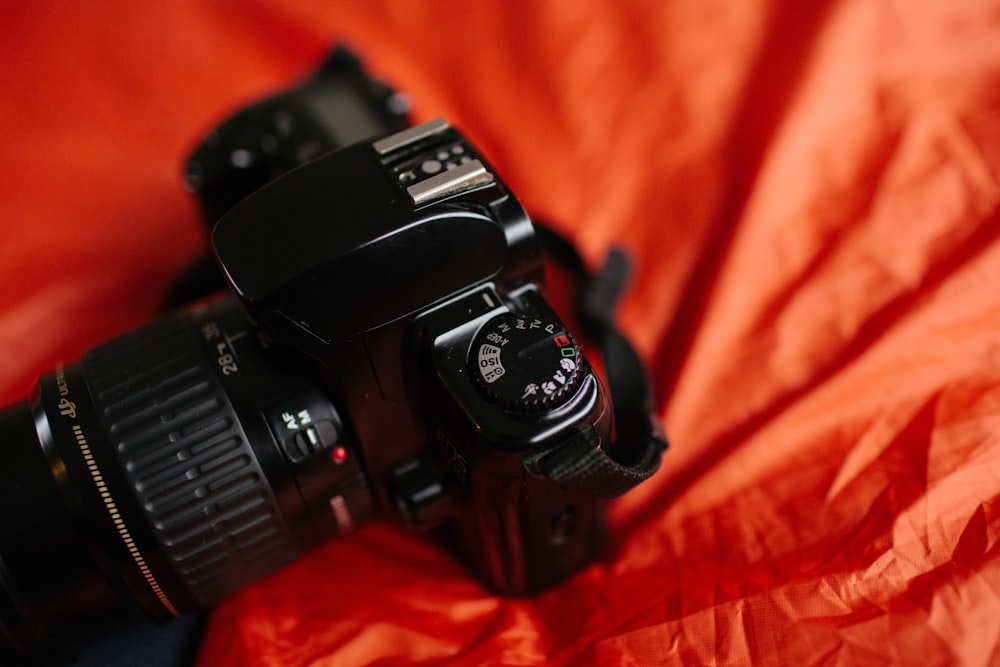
x=339 y=454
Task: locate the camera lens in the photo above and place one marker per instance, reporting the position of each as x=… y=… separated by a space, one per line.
x=163 y=472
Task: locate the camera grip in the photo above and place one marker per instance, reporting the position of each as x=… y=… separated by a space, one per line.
x=524 y=534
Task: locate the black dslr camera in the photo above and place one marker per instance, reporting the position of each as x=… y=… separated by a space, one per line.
x=387 y=351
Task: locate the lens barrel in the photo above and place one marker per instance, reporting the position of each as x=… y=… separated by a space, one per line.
x=166 y=470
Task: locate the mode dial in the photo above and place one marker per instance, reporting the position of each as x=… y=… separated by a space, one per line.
x=525 y=363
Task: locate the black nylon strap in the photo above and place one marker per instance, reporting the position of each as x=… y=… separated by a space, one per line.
x=606 y=470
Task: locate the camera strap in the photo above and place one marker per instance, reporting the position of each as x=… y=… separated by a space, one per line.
x=585 y=462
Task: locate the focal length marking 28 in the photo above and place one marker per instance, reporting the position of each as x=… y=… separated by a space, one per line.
x=225 y=357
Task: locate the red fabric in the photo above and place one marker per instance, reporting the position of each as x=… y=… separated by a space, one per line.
x=810 y=193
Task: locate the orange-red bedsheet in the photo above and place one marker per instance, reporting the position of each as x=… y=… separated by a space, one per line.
x=809 y=191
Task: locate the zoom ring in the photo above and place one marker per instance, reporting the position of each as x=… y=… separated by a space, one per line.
x=187 y=459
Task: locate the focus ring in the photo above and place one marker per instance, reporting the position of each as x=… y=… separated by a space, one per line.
x=187 y=459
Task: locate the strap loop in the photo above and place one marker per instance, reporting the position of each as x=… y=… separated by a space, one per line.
x=607 y=470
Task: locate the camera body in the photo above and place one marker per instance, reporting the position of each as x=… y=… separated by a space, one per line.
x=408 y=272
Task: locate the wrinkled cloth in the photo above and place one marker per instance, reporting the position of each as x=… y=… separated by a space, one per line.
x=810 y=196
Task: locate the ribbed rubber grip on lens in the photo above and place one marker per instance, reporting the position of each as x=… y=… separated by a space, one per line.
x=187 y=459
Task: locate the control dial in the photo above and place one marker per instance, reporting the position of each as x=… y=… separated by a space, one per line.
x=526 y=363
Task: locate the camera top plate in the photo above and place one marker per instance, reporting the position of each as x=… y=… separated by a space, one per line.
x=370 y=234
